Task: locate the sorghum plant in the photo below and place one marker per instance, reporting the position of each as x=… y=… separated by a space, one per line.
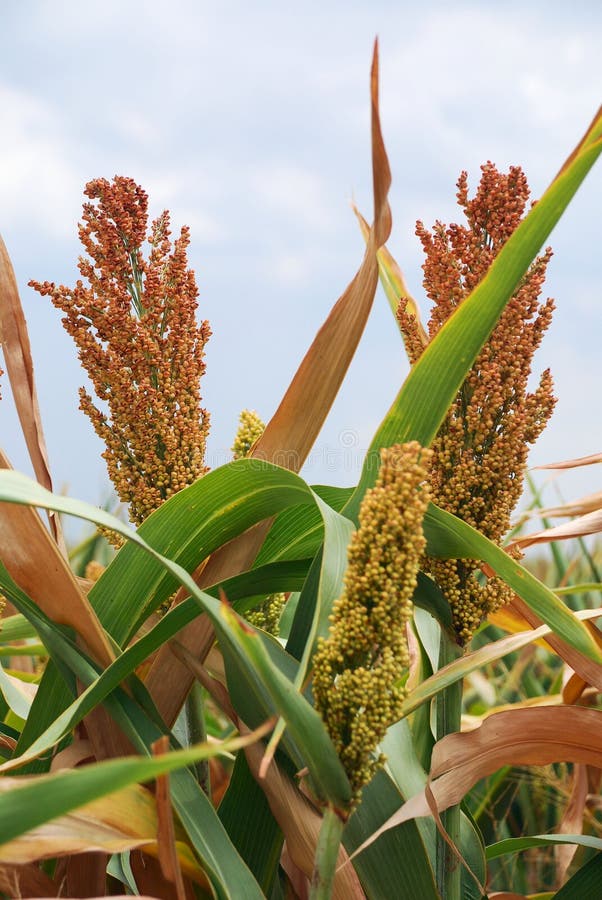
x=251 y=529
x=480 y=452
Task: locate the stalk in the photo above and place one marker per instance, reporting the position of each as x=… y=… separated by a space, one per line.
x=197 y=733
x=327 y=853
x=449 y=713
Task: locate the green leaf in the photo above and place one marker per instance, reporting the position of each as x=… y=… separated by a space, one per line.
x=17 y=694
x=303 y=721
x=246 y=816
x=298 y=532
x=45 y=797
x=585 y=883
x=15 y=628
x=188 y=528
x=131 y=658
x=397 y=865
x=436 y=377
x=228 y=874
x=450 y=538
x=516 y=845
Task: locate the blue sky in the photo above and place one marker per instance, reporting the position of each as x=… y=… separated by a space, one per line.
x=250 y=122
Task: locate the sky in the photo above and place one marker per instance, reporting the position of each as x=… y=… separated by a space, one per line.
x=250 y=123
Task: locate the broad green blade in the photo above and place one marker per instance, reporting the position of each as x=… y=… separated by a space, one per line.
x=188 y=528
x=516 y=845
x=299 y=532
x=15 y=628
x=397 y=865
x=436 y=377
x=304 y=723
x=267 y=579
x=228 y=874
x=585 y=883
x=246 y=816
x=450 y=538
x=45 y=797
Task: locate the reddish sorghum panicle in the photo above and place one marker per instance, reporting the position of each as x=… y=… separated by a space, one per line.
x=133 y=320
x=480 y=452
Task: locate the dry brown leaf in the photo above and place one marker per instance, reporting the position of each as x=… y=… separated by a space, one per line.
x=35 y=563
x=591 y=523
x=518 y=737
x=124 y=820
x=77 y=752
x=574 y=508
x=573 y=463
x=300 y=823
x=393 y=274
x=298 y=880
x=68 y=836
x=507 y=895
x=508 y=618
x=586 y=668
x=166 y=839
x=573 y=689
x=214 y=687
x=149 y=877
x=572 y=821
x=84 y=873
x=470 y=722
x=290 y=434
x=19 y=366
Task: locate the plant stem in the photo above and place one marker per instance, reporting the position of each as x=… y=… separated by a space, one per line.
x=197 y=733
x=327 y=853
x=449 y=712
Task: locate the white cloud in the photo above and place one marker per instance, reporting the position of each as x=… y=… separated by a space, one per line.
x=294 y=192
x=461 y=75
x=289 y=269
x=37 y=184
x=136 y=127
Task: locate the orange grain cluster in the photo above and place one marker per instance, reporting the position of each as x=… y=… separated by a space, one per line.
x=481 y=449
x=133 y=320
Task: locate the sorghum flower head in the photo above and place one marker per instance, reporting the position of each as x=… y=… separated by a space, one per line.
x=250 y=429
x=266 y=615
x=480 y=452
x=366 y=652
x=133 y=320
